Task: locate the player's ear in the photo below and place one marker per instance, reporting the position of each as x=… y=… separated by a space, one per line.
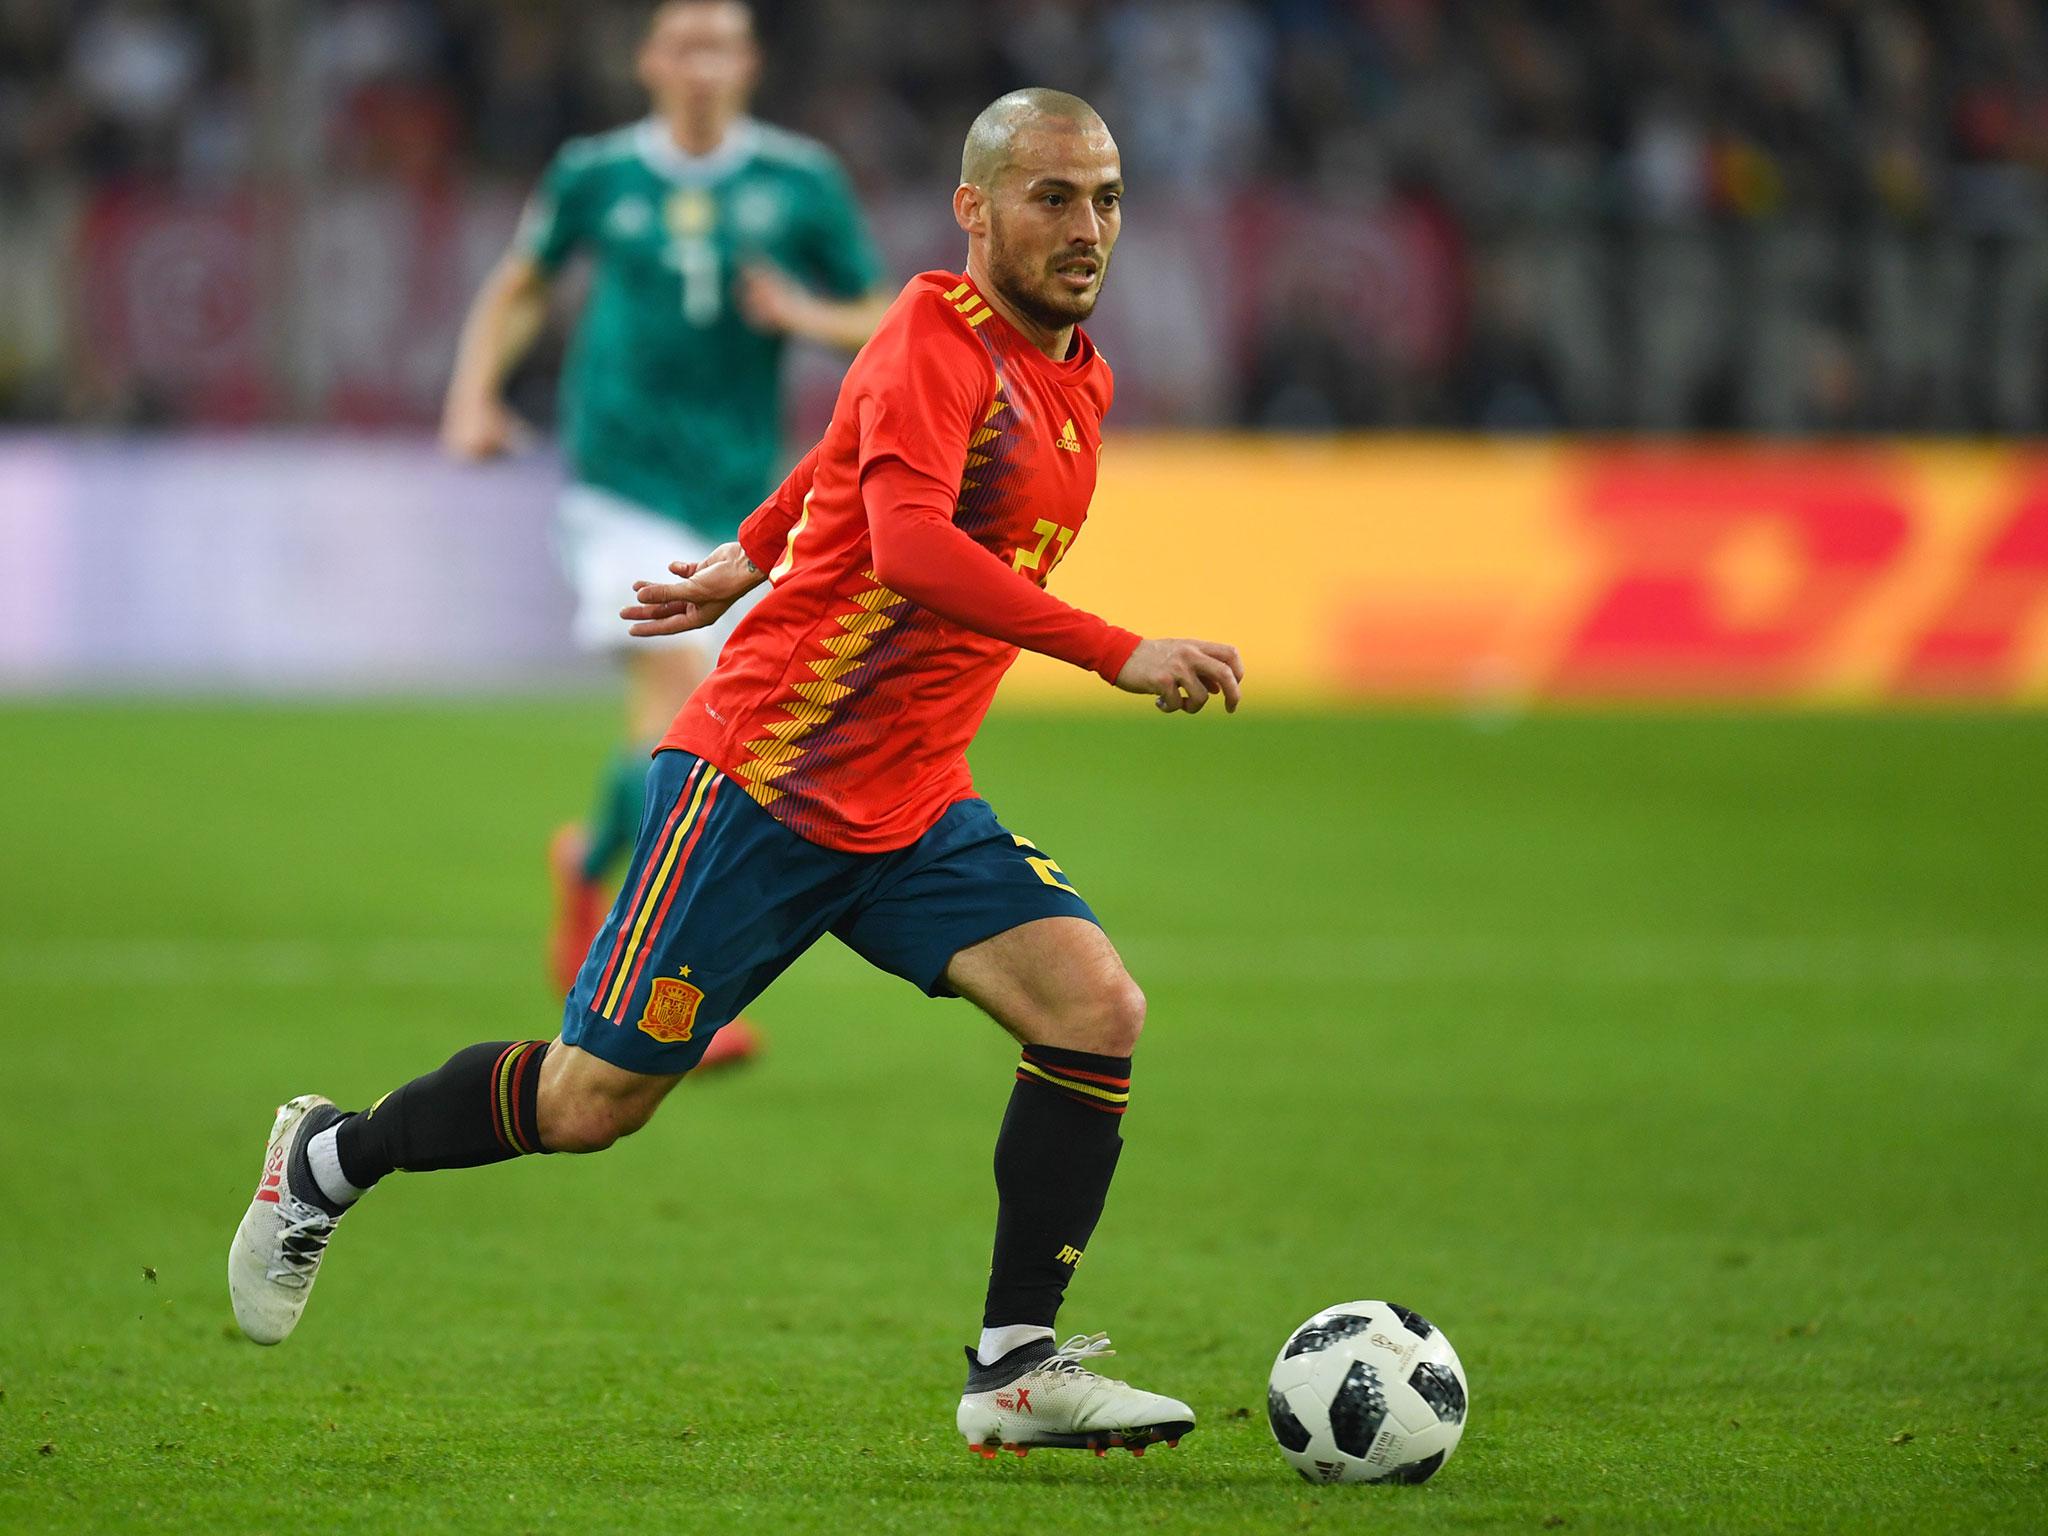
x=970 y=209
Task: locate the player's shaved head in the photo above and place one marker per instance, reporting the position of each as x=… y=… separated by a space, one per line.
x=1041 y=199
x=992 y=140
x=742 y=11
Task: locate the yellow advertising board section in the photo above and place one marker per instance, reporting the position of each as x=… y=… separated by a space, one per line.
x=1477 y=572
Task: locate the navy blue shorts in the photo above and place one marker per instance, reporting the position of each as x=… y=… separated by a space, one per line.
x=721 y=897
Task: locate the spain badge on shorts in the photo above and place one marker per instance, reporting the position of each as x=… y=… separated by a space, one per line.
x=671 y=1010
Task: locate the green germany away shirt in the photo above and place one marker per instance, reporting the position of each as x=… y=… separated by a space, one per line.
x=669 y=398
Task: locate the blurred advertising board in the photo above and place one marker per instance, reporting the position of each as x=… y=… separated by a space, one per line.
x=230 y=309
x=1483 y=573
x=274 y=562
x=1488 y=572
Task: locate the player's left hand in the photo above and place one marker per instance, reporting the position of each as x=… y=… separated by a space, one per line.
x=700 y=595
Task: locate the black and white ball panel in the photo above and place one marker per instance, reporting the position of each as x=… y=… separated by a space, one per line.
x=1367 y=1392
x=1358 y=1411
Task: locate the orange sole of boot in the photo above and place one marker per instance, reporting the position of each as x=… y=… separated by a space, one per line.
x=1101 y=1445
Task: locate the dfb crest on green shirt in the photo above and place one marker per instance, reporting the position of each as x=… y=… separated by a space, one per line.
x=670 y=398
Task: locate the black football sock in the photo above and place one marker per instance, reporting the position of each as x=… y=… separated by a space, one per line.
x=1054 y=1158
x=482 y=1106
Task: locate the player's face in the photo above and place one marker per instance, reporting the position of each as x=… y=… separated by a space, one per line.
x=1053 y=220
x=699 y=59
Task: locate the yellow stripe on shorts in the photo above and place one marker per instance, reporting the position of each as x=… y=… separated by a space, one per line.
x=653 y=897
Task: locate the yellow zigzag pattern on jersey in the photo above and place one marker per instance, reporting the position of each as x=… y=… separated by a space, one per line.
x=775 y=753
x=969 y=303
x=983 y=435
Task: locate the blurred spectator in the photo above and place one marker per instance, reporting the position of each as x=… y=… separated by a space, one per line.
x=1778 y=215
x=1188 y=90
x=134 y=67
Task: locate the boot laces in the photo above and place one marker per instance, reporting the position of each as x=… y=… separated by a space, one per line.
x=1069 y=1358
x=300 y=1245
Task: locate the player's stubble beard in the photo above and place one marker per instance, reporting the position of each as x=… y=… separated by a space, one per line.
x=1026 y=283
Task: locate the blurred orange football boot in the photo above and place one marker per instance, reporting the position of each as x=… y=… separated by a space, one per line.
x=739 y=1041
x=579 y=907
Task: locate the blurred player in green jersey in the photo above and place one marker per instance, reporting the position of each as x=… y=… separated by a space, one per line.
x=714 y=238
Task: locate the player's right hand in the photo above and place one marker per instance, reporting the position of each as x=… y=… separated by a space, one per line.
x=702 y=592
x=482 y=429
x=1181 y=675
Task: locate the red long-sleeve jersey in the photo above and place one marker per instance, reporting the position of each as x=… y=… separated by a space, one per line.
x=908 y=554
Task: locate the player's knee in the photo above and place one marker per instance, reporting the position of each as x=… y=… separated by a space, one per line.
x=590 y=1122
x=1117 y=1017
x=1127 y=1017
x=1105 y=1017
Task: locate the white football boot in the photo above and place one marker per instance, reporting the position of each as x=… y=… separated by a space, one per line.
x=277 y=1248
x=1040 y=1396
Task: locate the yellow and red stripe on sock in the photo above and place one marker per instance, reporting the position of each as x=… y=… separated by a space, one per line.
x=1098 y=1090
x=508 y=1096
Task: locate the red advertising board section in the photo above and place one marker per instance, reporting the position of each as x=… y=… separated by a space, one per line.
x=341 y=304
x=242 y=308
x=1475 y=572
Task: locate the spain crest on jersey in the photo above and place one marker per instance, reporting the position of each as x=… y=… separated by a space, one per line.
x=671 y=1010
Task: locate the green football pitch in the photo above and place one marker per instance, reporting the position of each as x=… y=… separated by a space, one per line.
x=1691 y=1072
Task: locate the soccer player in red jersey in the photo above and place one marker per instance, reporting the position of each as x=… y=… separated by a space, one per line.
x=817 y=783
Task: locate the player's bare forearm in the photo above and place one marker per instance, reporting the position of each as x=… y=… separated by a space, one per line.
x=503 y=321
x=700 y=594
x=846 y=325
x=773 y=302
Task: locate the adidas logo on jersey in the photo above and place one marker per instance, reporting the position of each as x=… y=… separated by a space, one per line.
x=1069 y=439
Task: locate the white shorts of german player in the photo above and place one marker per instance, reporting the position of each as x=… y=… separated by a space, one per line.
x=607 y=543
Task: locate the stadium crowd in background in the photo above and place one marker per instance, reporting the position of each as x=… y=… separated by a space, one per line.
x=1774 y=215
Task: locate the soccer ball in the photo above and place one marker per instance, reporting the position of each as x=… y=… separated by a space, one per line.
x=1368 y=1392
